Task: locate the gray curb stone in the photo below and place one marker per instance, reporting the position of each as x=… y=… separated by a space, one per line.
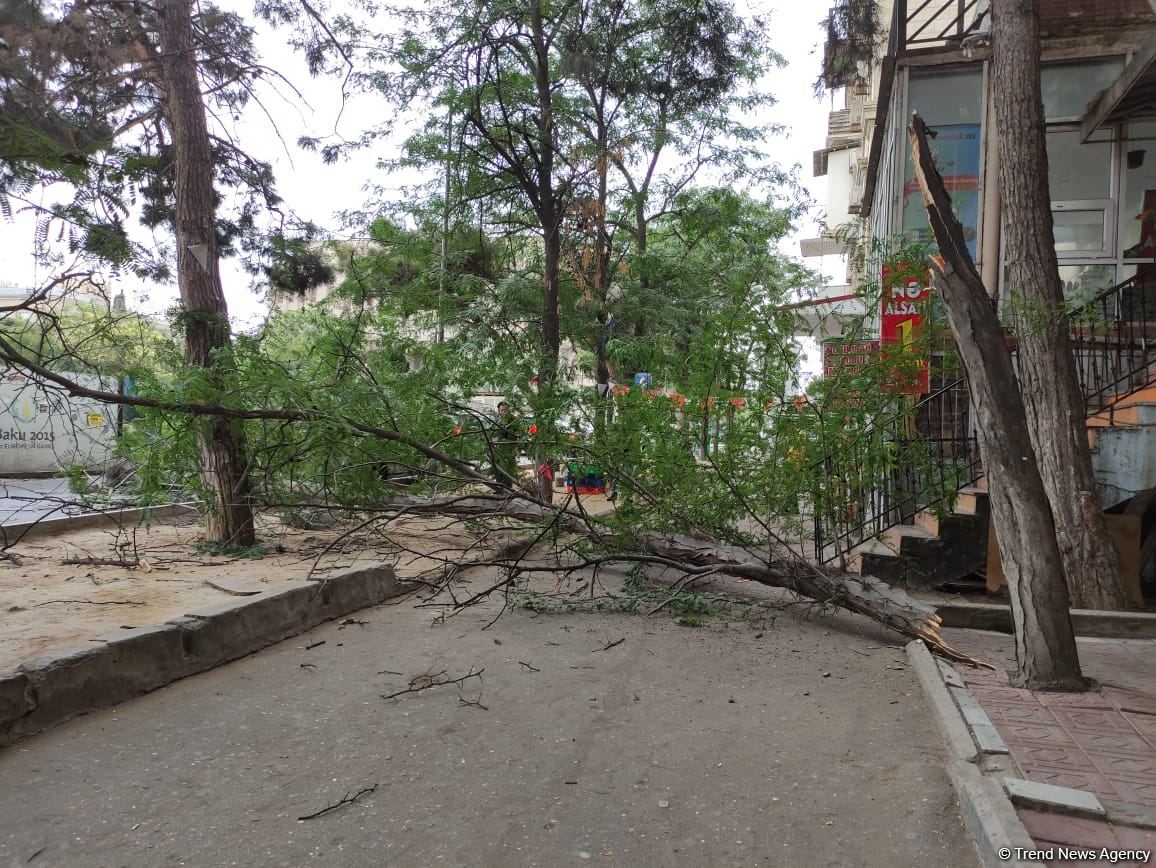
x=49 y=689
x=988 y=814
x=25 y=530
x=989 y=817
x=950 y=722
x=1051 y=798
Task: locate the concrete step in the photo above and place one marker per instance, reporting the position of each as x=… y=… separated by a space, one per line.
x=972 y=500
x=959 y=520
x=897 y=537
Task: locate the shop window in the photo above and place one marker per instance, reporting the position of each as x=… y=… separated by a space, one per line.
x=950 y=103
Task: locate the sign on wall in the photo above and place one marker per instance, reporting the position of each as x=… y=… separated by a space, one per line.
x=843 y=358
x=45 y=430
x=905 y=298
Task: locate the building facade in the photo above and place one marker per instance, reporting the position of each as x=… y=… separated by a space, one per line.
x=1098 y=84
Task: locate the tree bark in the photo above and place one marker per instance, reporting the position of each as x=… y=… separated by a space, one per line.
x=1046 y=654
x=550 y=214
x=205 y=314
x=1047 y=371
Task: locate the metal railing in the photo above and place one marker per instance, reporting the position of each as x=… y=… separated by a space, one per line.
x=913 y=460
x=920 y=457
x=935 y=23
x=1114 y=341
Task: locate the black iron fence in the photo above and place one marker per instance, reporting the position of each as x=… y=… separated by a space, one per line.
x=922 y=455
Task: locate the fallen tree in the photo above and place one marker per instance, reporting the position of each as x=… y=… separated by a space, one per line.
x=697 y=555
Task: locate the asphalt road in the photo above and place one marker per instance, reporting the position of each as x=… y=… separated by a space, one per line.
x=805 y=743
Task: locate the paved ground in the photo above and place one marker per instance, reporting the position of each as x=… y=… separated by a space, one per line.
x=1103 y=742
x=29 y=499
x=700 y=747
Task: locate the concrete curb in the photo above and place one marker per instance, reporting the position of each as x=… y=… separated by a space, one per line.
x=52 y=688
x=1085 y=622
x=988 y=814
x=19 y=531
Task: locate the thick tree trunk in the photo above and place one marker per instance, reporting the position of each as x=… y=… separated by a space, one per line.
x=1047 y=369
x=229 y=519
x=1045 y=645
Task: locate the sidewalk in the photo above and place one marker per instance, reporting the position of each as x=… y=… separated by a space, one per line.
x=1102 y=742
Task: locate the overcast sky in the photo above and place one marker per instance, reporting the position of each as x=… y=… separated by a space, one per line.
x=316 y=191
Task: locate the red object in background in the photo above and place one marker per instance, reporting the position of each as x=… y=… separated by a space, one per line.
x=905 y=298
x=533 y=429
x=546 y=471
x=457 y=429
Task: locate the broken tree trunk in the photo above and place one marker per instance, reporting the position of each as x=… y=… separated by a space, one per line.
x=1045 y=645
x=864 y=595
x=1047 y=368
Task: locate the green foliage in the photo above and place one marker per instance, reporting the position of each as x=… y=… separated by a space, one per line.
x=219 y=549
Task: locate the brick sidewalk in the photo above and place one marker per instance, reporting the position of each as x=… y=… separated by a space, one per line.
x=1103 y=742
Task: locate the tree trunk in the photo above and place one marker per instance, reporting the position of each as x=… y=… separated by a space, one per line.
x=229 y=519
x=1046 y=654
x=1047 y=369
x=550 y=215
x=864 y=595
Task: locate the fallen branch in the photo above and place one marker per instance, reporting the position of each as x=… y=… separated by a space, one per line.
x=100 y=562
x=347 y=799
x=430 y=680
x=92 y=602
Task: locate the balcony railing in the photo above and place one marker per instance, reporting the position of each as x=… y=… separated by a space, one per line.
x=924 y=24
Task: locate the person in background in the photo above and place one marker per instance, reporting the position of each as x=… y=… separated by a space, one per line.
x=504 y=445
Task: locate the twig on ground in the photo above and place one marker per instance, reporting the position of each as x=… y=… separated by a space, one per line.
x=609 y=645
x=528 y=666
x=347 y=799
x=314 y=645
x=93 y=602
x=434 y=679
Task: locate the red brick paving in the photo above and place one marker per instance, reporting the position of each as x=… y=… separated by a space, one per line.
x=1101 y=742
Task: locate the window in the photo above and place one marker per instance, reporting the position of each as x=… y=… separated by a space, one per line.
x=1078 y=171
x=1080 y=180
x=950 y=103
x=1069 y=87
x=1138 y=202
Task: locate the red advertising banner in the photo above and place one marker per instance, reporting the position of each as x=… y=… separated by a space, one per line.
x=905 y=298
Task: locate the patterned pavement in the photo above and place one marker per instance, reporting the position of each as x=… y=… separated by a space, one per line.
x=1103 y=742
